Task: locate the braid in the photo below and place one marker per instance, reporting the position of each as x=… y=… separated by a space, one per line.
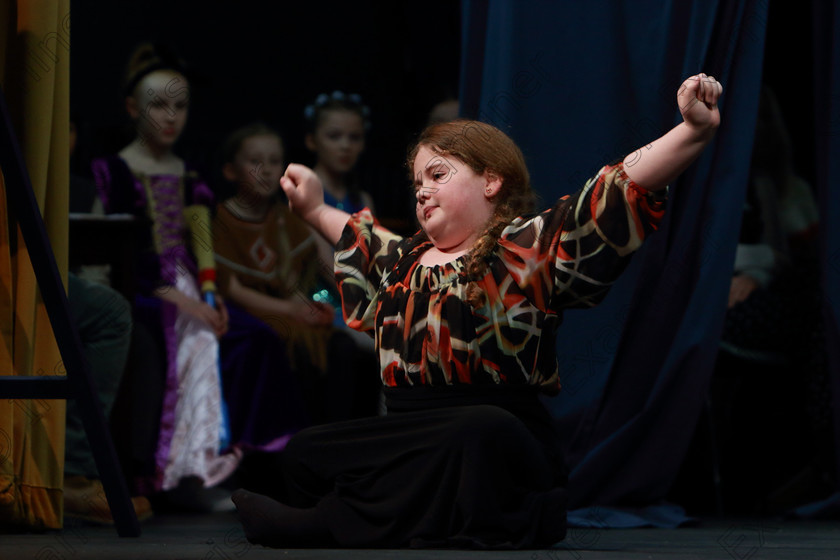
x=478 y=256
x=480 y=253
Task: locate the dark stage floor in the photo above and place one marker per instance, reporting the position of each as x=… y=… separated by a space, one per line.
x=219 y=537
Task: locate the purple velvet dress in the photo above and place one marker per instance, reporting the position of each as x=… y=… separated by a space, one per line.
x=191 y=418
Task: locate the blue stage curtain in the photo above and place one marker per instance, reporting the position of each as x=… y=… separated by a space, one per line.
x=578 y=85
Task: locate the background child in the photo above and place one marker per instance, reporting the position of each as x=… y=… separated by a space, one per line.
x=466 y=313
x=147 y=179
x=336 y=126
x=335 y=133
x=270 y=275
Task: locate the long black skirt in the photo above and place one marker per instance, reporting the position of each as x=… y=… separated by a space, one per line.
x=444 y=469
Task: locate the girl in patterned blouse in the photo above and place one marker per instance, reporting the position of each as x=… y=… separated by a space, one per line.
x=464 y=316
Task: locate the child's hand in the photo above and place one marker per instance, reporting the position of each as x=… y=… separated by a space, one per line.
x=314 y=313
x=306 y=198
x=303 y=189
x=322 y=314
x=223 y=314
x=742 y=286
x=697 y=99
x=200 y=310
x=216 y=318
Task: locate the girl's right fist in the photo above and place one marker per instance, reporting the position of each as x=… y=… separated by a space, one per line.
x=303 y=188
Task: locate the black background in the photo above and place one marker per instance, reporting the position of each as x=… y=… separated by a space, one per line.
x=267 y=61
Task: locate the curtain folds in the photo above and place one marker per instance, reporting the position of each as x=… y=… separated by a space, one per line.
x=34 y=73
x=578 y=85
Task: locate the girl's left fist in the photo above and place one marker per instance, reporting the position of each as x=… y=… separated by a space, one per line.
x=697 y=98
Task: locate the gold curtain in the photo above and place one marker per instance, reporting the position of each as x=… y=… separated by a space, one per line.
x=34 y=74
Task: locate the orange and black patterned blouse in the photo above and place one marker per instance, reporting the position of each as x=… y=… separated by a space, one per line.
x=427 y=333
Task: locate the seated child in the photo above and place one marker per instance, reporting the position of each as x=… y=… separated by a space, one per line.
x=271 y=277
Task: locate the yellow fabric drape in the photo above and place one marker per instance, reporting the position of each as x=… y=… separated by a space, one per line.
x=34 y=72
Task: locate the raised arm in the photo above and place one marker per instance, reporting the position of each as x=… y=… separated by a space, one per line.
x=306 y=199
x=659 y=163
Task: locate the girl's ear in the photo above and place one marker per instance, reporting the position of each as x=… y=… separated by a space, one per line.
x=131 y=107
x=493 y=184
x=229 y=172
x=309 y=140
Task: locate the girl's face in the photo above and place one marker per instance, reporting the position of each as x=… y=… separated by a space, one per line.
x=159 y=107
x=257 y=167
x=454 y=203
x=338 y=141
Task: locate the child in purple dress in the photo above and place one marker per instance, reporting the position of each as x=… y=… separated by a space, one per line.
x=147 y=179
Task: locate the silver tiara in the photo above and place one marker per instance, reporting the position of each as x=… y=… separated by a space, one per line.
x=352 y=98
